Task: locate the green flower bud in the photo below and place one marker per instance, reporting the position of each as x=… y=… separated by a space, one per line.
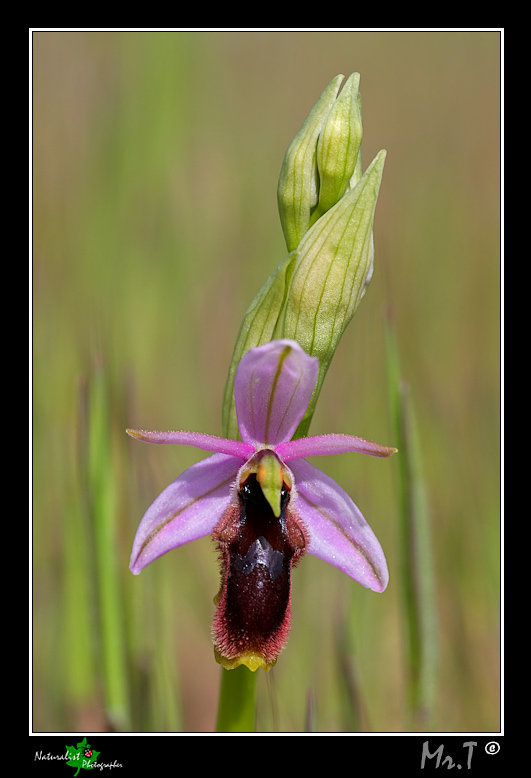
x=330 y=275
x=297 y=186
x=327 y=211
x=338 y=147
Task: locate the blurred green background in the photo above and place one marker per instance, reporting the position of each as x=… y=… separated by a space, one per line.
x=155 y=163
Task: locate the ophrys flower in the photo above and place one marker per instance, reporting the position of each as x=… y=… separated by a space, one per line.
x=263 y=513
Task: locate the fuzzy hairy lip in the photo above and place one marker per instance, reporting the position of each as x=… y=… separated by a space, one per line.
x=257 y=554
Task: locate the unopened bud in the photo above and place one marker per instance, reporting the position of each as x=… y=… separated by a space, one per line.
x=297 y=186
x=327 y=210
x=338 y=147
x=333 y=266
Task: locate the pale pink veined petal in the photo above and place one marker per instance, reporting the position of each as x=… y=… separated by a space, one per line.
x=272 y=389
x=200 y=440
x=338 y=532
x=188 y=509
x=320 y=445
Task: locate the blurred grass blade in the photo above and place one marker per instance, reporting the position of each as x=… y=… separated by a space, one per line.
x=78 y=626
x=102 y=503
x=167 y=715
x=416 y=562
x=353 y=707
x=310 y=719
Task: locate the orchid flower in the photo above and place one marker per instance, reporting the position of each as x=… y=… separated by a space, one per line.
x=264 y=505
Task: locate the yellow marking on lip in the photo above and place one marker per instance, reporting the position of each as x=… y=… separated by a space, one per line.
x=251 y=659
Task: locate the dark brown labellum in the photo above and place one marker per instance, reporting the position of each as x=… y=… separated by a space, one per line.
x=257 y=553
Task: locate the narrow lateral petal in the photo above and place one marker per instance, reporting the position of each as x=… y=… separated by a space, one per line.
x=338 y=532
x=200 y=440
x=272 y=389
x=188 y=509
x=320 y=445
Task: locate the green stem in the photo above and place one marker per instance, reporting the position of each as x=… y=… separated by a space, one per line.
x=237 y=699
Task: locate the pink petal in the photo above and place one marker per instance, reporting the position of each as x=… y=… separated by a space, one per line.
x=319 y=445
x=200 y=440
x=272 y=389
x=338 y=532
x=188 y=509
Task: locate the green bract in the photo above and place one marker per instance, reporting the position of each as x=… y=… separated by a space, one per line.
x=327 y=210
x=330 y=275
